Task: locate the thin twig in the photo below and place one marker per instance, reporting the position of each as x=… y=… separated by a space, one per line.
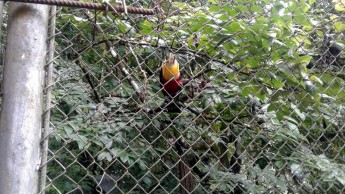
x=88 y=78
x=112 y=8
x=141 y=69
x=124 y=6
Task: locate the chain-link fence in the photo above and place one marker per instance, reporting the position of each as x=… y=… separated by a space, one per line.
x=256 y=107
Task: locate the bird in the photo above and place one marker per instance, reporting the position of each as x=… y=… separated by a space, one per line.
x=170 y=76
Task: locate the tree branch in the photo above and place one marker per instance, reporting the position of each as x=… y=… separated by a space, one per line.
x=120 y=64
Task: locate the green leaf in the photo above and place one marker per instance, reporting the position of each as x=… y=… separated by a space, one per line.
x=231 y=75
x=234 y=27
x=316 y=79
x=146 y=27
x=116 y=151
x=304 y=59
x=97 y=142
x=196 y=27
x=277 y=83
x=339 y=26
x=208 y=29
x=214 y=186
x=147 y=180
x=340 y=5
x=280 y=163
x=304 y=7
x=302 y=19
x=215 y=9
x=142 y=165
x=68 y=130
x=253 y=63
x=242 y=8
x=124 y=157
x=104 y=155
x=256 y=9
x=122 y=26
x=232 y=12
x=81 y=140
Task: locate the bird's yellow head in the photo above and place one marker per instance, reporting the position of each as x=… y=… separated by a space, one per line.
x=170 y=68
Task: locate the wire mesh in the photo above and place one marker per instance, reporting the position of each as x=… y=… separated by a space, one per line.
x=261 y=109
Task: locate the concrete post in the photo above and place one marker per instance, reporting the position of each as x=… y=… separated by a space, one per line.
x=21 y=112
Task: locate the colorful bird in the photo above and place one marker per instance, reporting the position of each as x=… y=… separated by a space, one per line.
x=170 y=76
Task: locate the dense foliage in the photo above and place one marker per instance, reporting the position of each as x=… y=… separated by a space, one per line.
x=271 y=94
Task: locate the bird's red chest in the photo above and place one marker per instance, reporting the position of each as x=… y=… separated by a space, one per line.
x=172 y=86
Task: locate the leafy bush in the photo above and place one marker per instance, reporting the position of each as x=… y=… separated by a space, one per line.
x=271 y=92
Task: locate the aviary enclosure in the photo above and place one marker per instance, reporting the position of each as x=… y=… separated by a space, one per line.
x=251 y=98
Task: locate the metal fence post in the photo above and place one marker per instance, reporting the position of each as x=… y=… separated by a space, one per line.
x=21 y=113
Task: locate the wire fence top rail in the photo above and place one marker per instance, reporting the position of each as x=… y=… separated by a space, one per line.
x=88 y=5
